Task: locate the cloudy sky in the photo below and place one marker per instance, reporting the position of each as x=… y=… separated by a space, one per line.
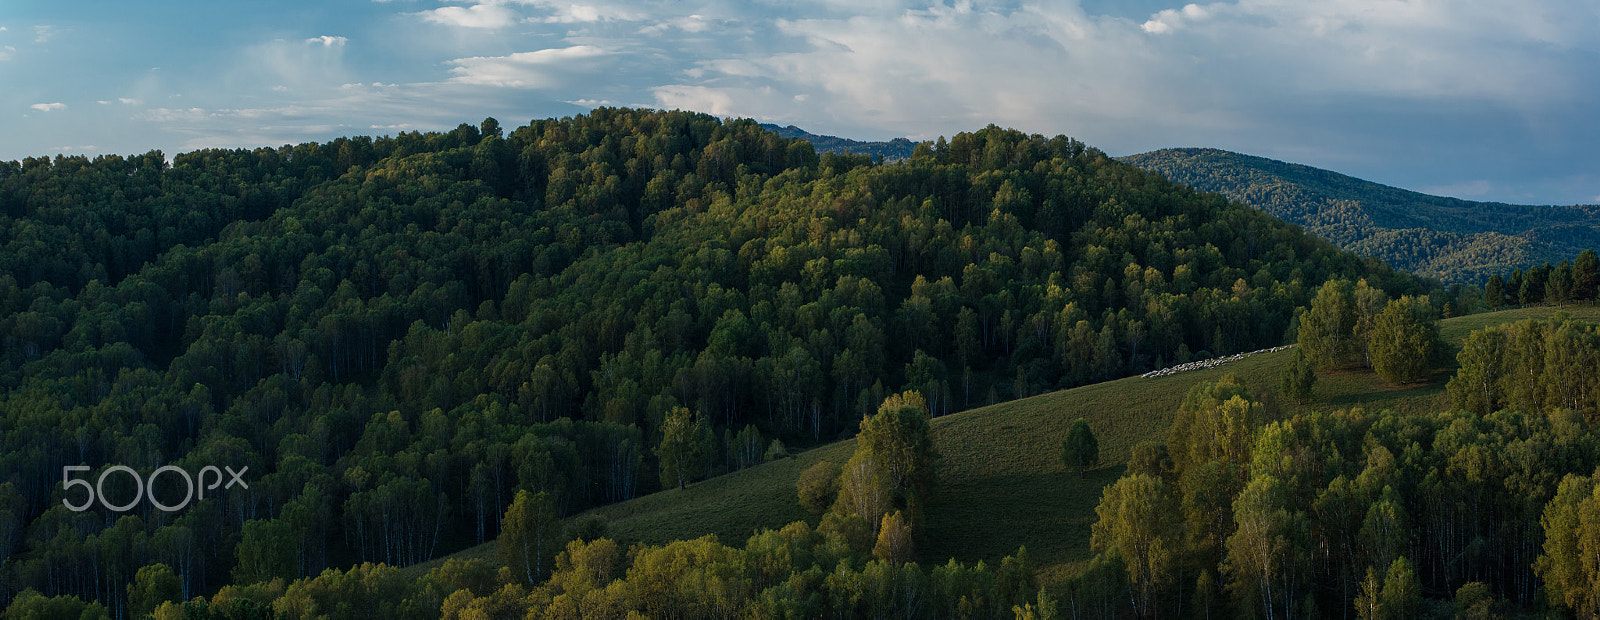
x=1481 y=99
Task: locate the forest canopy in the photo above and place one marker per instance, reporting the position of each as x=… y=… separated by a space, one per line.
x=399 y=336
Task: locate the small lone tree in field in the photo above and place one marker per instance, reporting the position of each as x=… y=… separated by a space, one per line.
x=1081 y=450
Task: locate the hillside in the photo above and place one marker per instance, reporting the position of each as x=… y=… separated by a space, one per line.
x=1457 y=241
x=397 y=335
x=889 y=151
x=1001 y=481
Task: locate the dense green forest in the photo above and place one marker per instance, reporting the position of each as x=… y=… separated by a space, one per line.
x=398 y=336
x=1477 y=512
x=1457 y=241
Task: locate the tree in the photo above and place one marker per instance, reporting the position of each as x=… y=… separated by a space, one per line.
x=1327 y=329
x=31 y=605
x=1080 y=450
x=683 y=448
x=1585 y=275
x=1402 y=593
x=266 y=550
x=153 y=585
x=1369 y=303
x=1403 y=339
x=1477 y=385
x=1266 y=555
x=1475 y=602
x=1369 y=603
x=1150 y=458
x=1138 y=517
x=746 y=447
x=1217 y=421
x=1558 y=287
x=864 y=489
x=1494 y=293
x=1572 y=542
x=1298 y=378
x=894 y=540
x=818 y=486
x=529 y=536
x=1045 y=610
x=898 y=440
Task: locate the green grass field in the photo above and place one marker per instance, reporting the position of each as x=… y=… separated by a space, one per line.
x=1000 y=480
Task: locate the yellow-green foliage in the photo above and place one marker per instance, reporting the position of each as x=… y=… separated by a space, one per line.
x=1001 y=483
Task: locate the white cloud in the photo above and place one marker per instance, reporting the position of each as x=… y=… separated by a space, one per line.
x=49 y=107
x=691 y=24
x=301 y=65
x=475 y=16
x=127 y=101
x=75 y=149
x=537 y=69
x=699 y=98
x=588 y=13
x=7 y=53
x=42 y=34
x=1168 y=20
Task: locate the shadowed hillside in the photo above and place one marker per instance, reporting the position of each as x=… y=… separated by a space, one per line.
x=1457 y=241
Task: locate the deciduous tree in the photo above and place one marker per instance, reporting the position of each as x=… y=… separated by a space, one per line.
x=530 y=537
x=1080 y=450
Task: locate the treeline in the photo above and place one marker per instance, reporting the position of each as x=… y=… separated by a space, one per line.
x=1476 y=512
x=889 y=151
x=1573 y=280
x=398 y=334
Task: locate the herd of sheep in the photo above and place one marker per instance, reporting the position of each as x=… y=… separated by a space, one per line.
x=1208 y=363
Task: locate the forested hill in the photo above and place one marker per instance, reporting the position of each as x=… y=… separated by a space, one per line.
x=397 y=334
x=1458 y=241
x=890 y=151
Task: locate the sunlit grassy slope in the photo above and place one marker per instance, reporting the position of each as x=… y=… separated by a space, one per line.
x=1001 y=484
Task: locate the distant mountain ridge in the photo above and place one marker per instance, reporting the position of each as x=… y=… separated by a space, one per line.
x=890 y=151
x=1450 y=239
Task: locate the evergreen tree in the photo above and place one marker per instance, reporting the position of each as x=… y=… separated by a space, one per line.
x=1494 y=293
x=1585 y=271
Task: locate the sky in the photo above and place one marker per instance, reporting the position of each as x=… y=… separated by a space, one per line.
x=1477 y=99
